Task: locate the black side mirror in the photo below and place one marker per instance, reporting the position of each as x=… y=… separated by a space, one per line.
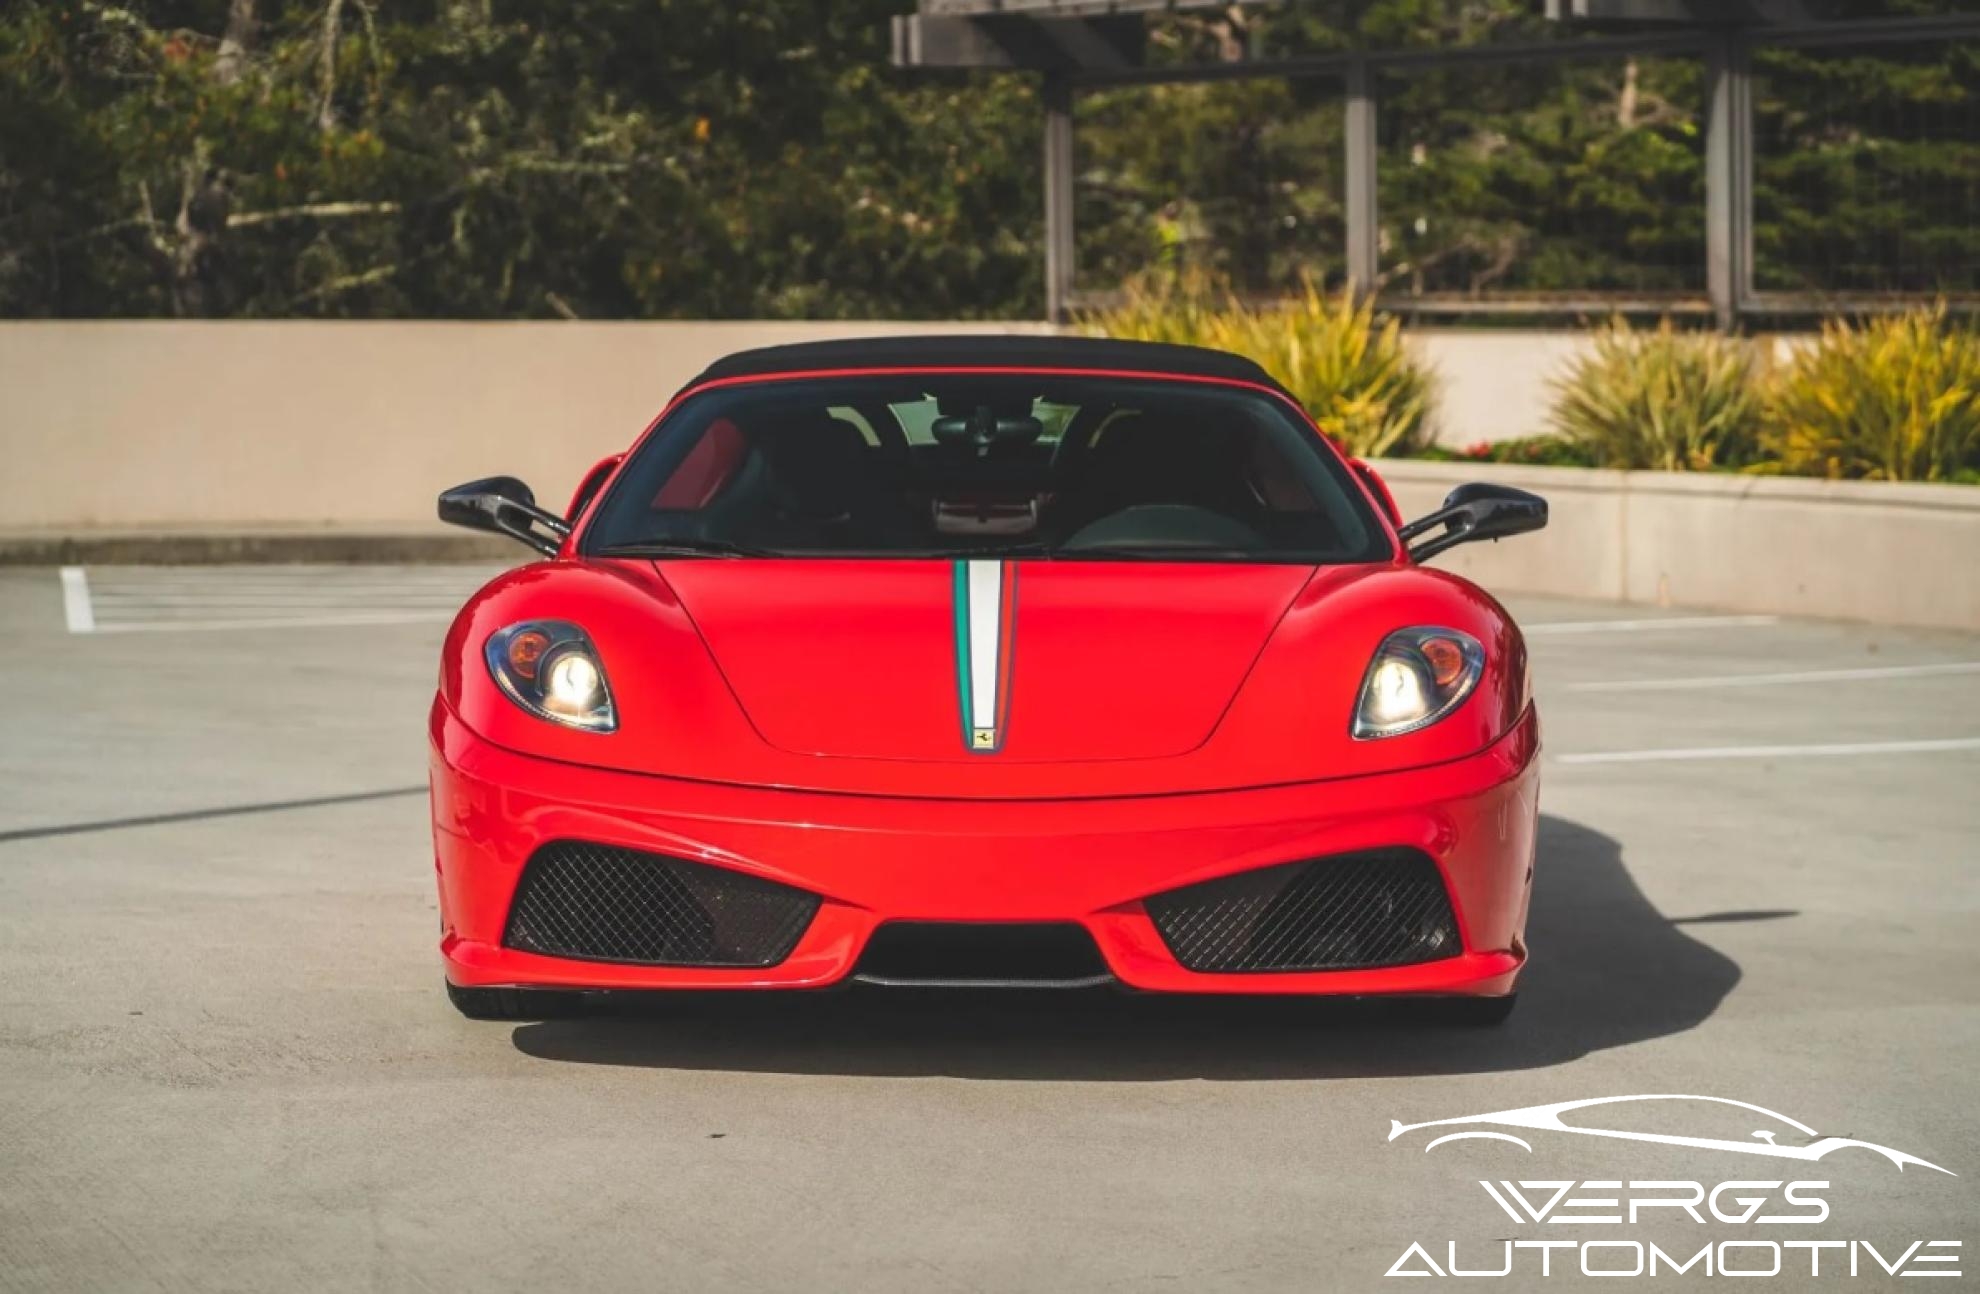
x=506 y=506
x=1475 y=511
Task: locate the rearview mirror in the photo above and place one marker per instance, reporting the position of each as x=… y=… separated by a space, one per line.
x=985 y=428
x=1475 y=511
x=506 y=506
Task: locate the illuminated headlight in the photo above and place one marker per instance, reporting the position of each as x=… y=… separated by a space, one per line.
x=549 y=668
x=1417 y=677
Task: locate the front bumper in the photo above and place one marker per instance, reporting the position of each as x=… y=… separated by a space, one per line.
x=876 y=859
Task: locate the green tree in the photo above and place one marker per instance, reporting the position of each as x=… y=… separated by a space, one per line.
x=705 y=158
x=577 y=157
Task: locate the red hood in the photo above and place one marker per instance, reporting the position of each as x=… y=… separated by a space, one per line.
x=1121 y=678
x=1099 y=660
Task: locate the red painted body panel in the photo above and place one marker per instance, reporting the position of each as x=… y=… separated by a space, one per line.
x=591 y=486
x=1121 y=661
x=876 y=858
x=1167 y=723
x=1378 y=489
x=888 y=720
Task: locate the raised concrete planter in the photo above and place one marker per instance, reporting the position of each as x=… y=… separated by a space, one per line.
x=1854 y=550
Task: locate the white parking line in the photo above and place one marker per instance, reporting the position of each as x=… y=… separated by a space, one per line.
x=1770 y=752
x=111 y=607
x=1654 y=623
x=1772 y=680
x=286 y=622
x=76 y=609
x=152 y=599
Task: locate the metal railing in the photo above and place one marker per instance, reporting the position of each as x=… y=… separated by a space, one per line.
x=1731 y=226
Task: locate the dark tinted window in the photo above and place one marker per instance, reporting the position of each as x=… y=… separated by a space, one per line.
x=961 y=464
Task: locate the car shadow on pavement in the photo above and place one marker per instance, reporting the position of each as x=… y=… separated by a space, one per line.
x=1608 y=969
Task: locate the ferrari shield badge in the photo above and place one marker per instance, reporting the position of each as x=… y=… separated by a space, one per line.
x=985 y=595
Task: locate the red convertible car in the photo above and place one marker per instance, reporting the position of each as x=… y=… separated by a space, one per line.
x=991 y=660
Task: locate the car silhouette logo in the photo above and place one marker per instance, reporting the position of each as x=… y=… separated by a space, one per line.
x=1547 y=1118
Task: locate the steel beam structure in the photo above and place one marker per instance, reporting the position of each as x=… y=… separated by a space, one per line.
x=1402 y=60
x=1071 y=8
x=1728 y=177
x=1364 y=217
x=1093 y=44
x=1058 y=198
x=1724 y=13
x=1049 y=45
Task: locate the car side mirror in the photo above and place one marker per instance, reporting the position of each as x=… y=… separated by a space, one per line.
x=505 y=506
x=1475 y=511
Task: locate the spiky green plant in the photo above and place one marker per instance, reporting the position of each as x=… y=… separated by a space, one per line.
x=1661 y=399
x=1895 y=399
x=1350 y=368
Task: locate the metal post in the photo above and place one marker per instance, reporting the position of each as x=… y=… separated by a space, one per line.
x=1728 y=178
x=1364 y=253
x=1058 y=197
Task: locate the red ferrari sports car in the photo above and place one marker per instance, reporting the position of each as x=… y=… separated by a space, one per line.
x=990 y=661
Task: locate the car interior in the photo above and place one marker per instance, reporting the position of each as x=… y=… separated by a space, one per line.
x=998 y=467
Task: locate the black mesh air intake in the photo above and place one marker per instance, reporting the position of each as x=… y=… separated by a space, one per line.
x=598 y=903
x=1384 y=907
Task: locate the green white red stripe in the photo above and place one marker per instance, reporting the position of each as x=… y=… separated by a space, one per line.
x=985 y=595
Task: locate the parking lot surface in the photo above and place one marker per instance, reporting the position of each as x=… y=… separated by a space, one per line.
x=226 y=1063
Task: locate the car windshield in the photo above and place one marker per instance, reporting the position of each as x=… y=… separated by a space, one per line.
x=971 y=464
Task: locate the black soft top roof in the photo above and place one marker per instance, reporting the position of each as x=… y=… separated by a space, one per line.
x=988 y=351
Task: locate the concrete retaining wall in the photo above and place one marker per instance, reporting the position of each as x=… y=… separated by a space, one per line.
x=170 y=424
x=143 y=428
x=1494 y=386
x=149 y=424
x=1889 y=553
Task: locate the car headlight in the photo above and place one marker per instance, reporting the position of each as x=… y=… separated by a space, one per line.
x=550 y=668
x=1417 y=677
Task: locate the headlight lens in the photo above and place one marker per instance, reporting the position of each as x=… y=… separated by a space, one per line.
x=1417 y=677
x=550 y=668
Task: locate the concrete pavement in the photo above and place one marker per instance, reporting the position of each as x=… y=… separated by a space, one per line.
x=225 y=1062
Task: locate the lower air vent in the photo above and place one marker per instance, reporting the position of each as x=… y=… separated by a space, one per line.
x=597 y=903
x=1384 y=907
x=1043 y=954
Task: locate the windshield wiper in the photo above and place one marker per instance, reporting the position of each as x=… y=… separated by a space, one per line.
x=1165 y=553
x=726 y=548
x=684 y=548
x=963 y=554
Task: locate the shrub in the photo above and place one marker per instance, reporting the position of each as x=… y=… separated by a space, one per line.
x=1348 y=367
x=1662 y=400
x=1530 y=451
x=1894 y=399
